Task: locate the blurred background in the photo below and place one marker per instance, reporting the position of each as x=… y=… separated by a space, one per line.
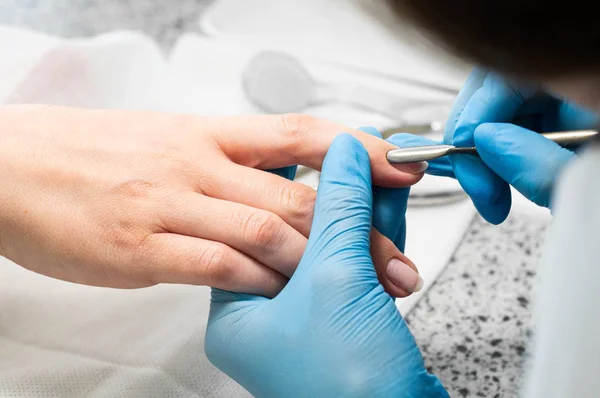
x=162 y=20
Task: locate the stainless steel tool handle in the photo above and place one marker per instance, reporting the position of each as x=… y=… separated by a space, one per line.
x=430 y=152
x=568 y=138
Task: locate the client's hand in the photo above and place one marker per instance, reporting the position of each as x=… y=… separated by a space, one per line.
x=131 y=199
x=332 y=331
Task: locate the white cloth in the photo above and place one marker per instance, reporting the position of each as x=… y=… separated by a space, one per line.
x=59 y=339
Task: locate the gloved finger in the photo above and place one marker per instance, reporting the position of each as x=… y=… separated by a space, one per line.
x=343 y=210
x=389 y=213
x=472 y=84
x=371 y=130
x=389 y=221
x=437 y=167
x=489 y=193
x=495 y=101
x=523 y=158
x=543 y=112
x=573 y=117
x=339 y=243
x=389 y=205
x=285 y=172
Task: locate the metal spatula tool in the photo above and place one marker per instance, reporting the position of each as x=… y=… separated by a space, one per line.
x=430 y=152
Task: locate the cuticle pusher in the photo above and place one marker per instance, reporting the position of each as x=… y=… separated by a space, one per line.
x=430 y=152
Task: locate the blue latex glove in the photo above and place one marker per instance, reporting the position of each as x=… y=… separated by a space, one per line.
x=389 y=207
x=388 y=211
x=332 y=331
x=285 y=172
x=389 y=204
x=500 y=119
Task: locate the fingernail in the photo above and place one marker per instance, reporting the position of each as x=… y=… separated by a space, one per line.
x=403 y=276
x=413 y=168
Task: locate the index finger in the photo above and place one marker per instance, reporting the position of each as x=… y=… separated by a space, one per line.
x=496 y=100
x=473 y=83
x=268 y=142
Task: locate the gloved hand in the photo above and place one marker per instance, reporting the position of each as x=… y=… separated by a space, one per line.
x=390 y=221
x=502 y=120
x=332 y=331
x=389 y=207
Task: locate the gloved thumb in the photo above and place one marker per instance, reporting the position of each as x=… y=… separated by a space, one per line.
x=525 y=159
x=343 y=209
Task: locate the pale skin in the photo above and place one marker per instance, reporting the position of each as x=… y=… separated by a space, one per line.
x=129 y=199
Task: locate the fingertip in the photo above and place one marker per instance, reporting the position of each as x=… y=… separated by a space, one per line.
x=347 y=147
x=486 y=130
x=525 y=159
x=346 y=168
x=438 y=167
x=478 y=180
x=491 y=141
x=385 y=174
x=397 y=274
x=496 y=213
x=495 y=101
x=347 y=139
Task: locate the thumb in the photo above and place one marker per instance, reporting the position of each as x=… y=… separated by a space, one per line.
x=525 y=159
x=342 y=222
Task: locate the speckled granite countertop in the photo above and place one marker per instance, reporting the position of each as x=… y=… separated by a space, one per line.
x=474 y=324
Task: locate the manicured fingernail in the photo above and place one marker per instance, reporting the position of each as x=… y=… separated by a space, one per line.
x=403 y=276
x=413 y=168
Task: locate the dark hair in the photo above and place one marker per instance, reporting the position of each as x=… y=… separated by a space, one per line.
x=527 y=38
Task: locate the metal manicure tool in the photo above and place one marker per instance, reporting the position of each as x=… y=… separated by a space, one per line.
x=430 y=152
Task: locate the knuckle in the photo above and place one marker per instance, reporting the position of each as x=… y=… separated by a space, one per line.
x=299 y=201
x=125 y=234
x=173 y=162
x=274 y=285
x=264 y=229
x=217 y=270
x=296 y=125
x=134 y=188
